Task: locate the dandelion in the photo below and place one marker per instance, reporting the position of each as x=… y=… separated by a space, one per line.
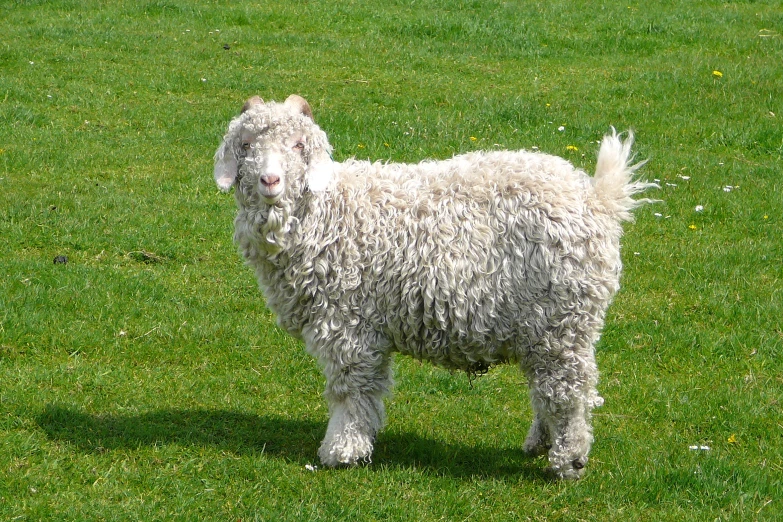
x=572 y=148
x=717 y=74
x=361 y=145
x=699 y=208
x=732 y=439
x=473 y=138
x=692 y=226
x=765 y=216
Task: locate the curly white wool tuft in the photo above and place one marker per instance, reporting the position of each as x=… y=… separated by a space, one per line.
x=485 y=258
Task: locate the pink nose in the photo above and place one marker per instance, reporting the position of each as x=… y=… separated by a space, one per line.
x=270 y=180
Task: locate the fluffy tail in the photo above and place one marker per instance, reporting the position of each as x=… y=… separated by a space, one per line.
x=614 y=173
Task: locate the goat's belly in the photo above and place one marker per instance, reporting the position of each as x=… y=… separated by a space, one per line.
x=472 y=357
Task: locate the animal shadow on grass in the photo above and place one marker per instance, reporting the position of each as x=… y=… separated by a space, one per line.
x=293 y=440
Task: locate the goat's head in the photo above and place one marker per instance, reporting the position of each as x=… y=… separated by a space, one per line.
x=272 y=150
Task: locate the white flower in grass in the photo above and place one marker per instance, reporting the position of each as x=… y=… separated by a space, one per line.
x=728 y=188
x=699 y=208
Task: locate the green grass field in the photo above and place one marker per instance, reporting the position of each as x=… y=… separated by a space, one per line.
x=145 y=380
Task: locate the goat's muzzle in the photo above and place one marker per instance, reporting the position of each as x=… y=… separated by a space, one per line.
x=270 y=181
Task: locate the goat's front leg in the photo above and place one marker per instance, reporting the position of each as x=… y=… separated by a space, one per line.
x=357 y=378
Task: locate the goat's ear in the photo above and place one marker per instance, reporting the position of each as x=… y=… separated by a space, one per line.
x=299 y=104
x=226 y=165
x=252 y=102
x=320 y=172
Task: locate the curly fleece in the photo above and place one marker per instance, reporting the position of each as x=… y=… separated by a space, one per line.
x=485 y=258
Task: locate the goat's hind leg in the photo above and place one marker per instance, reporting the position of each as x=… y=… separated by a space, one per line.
x=538 y=440
x=562 y=392
x=571 y=440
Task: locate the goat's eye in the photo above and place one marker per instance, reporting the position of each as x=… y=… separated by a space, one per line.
x=246 y=146
x=299 y=145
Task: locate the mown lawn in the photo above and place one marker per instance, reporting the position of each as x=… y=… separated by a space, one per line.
x=145 y=380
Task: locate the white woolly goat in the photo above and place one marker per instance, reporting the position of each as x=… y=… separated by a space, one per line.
x=485 y=258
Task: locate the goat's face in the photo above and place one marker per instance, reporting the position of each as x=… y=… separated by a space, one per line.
x=270 y=158
x=272 y=150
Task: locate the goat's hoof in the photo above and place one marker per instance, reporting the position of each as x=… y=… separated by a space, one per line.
x=572 y=470
x=346 y=451
x=536 y=450
x=567 y=474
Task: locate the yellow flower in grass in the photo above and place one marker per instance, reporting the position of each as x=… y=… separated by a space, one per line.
x=473 y=138
x=732 y=439
x=692 y=227
x=572 y=148
x=717 y=74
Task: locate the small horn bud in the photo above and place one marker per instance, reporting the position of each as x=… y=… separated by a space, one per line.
x=252 y=102
x=299 y=104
